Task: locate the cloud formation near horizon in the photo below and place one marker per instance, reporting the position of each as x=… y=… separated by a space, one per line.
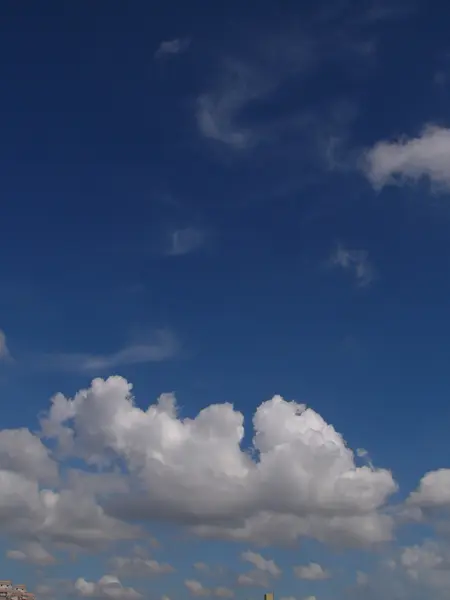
x=149 y=464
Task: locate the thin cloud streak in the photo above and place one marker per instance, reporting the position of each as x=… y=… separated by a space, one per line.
x=339 y=36
x=4 y=351
x=164 y=346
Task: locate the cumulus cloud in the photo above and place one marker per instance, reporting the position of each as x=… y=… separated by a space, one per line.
x=74 y=520
x=261 y=563
x=417 y=571
x=260 y=575
x=420 y=570
x=108 y=587
x=23 y=453
x=410 y=159
x=35 y=513
x=194 y=471
x=433 y=490
x=172 y=47
x=355 y=262
x=311 y=572
x=419 y=557
x=427 y=566
x=163 y=346
x=298 y=479
x=196 y=588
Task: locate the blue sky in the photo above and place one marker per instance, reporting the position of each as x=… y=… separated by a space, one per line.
x=238 y=203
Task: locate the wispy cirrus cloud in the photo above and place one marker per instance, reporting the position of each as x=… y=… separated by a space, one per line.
x=354 y=261
x=172 y=47
x=261 y=93
x=138 y=566
x=32 y=552
x=197 y=589
x=185 y=241
x=4 y=350
x=220 y=111
x=163 y=345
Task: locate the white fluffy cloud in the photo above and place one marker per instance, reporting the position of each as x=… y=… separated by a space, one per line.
x=300 y=480
x=23 y=453
x=107 y=588
x=194 y=471
x=65 y=517
x=260 y=576
x=410 y=159
x=417 y=571
x=433 y=490
x=420 y=557
x=427 y=565
x=312 y=572
x=196 y=588
x=413 y=572
x=261 y=563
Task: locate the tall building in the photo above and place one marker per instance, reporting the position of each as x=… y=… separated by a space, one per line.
x=10 y=591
